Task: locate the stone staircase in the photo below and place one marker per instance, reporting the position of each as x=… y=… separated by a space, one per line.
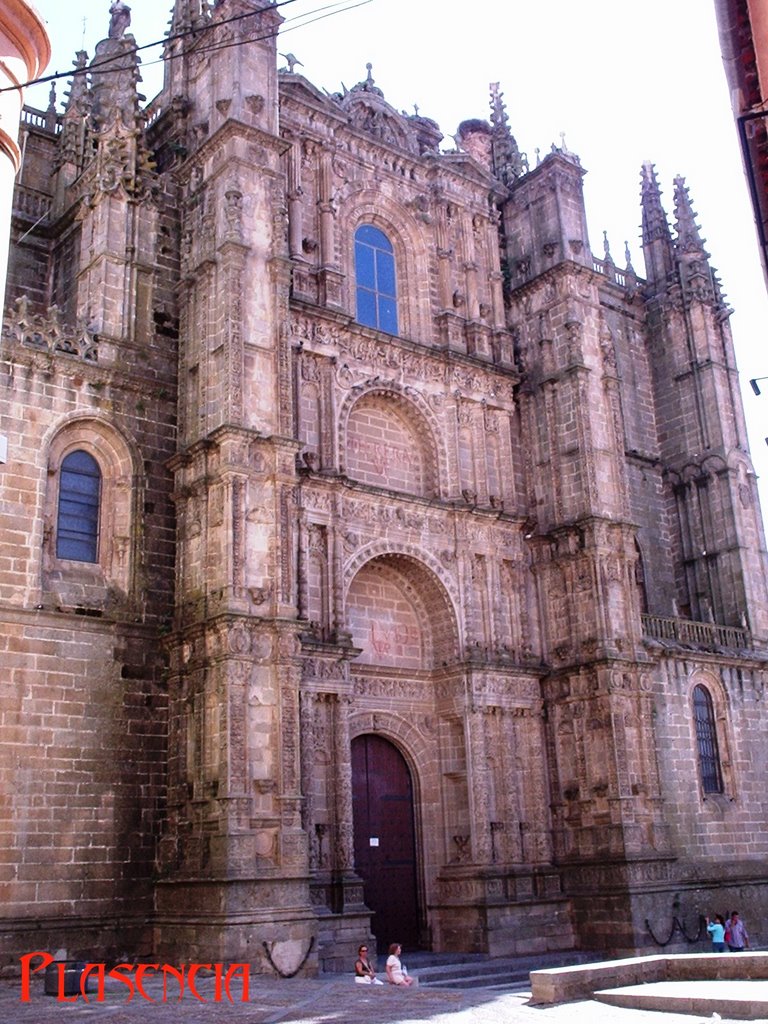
x=477 y=970
x=710 y=985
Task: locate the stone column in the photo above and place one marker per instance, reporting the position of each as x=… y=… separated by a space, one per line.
x=307 y=753
x=327 y=232
x=344 y=852
x=444 y=256
x=479 y=790
x=295 y=195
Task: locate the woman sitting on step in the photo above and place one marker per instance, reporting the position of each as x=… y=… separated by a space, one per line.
x=364 y=972
x=396 y=973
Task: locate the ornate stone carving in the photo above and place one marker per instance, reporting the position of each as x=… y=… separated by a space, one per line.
x=49 y=333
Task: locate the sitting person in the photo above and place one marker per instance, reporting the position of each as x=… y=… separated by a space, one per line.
x=396 y=973
x=364 y=972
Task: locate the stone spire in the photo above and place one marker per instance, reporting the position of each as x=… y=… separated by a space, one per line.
x=114 y=80
x=689 y=239
x=657 y=239
x=75 y=120
x=696 y=275
x=78 y=99
x=507 y=162
x=116 y=160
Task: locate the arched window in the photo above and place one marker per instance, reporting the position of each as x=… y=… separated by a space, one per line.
x=706 y=740
x=376 y=287
x=77 y=522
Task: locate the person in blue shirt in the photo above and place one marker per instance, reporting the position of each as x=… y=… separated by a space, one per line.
x=716 y=929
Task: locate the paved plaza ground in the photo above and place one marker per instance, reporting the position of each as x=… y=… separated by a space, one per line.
x=327 y=1000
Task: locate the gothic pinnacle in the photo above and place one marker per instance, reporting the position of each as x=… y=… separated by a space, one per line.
x=507 y=160
x=688 y=236
x=655 y=224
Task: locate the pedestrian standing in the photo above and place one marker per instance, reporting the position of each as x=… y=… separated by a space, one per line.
x=716 y=930
x=736 y=934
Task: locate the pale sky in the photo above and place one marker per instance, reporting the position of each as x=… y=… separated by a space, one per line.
x=624 y=83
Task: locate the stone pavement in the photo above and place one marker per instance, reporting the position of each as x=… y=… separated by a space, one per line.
x=326 y=1000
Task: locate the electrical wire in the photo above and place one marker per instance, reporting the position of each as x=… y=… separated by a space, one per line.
x=101 y=68
x=197 y=31
x=214 y=47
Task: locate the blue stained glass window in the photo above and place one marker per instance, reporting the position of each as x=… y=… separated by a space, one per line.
x=375 y=279
x=77 y=525
x=706 y=739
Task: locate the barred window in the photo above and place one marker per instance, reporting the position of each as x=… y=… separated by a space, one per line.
x=706 y=739
x=77 y=522
x=376 y=286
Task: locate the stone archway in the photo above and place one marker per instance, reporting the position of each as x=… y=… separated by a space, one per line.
x=402 y=622
x=400 y=615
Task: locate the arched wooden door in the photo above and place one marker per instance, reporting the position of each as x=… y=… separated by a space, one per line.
x=385 y=840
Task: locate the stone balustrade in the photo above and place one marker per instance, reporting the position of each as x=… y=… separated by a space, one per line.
x=704 y=634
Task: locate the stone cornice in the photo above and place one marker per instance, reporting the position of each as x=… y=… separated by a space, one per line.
x=230 y=129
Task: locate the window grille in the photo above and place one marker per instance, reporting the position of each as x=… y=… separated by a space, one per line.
x=706 y=739
x=77 y=526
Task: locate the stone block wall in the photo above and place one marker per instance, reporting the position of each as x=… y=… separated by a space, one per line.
x=83 y=769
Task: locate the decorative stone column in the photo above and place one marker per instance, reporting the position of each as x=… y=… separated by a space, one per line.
x=479 y=788
x=344 y=853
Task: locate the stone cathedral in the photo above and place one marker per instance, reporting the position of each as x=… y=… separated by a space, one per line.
x=376 y=562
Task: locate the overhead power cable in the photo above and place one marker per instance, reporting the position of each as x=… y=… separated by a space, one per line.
x=197 y=31
x=330 y=10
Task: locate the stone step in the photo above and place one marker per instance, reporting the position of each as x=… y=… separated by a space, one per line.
x=733 y=1000
x=487 y=972
x=501 y=980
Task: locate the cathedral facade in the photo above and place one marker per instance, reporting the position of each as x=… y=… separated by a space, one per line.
x=374 y=559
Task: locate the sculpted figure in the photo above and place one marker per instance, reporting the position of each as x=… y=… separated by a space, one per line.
x=120 y=20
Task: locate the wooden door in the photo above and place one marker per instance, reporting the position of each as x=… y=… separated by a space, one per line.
x=385 y=841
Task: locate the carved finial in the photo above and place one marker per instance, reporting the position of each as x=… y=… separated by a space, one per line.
x=293 y=62
x=607 y=248
x=52 y=97
x=628 y=258
x=367 y=85
x=120 y=20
